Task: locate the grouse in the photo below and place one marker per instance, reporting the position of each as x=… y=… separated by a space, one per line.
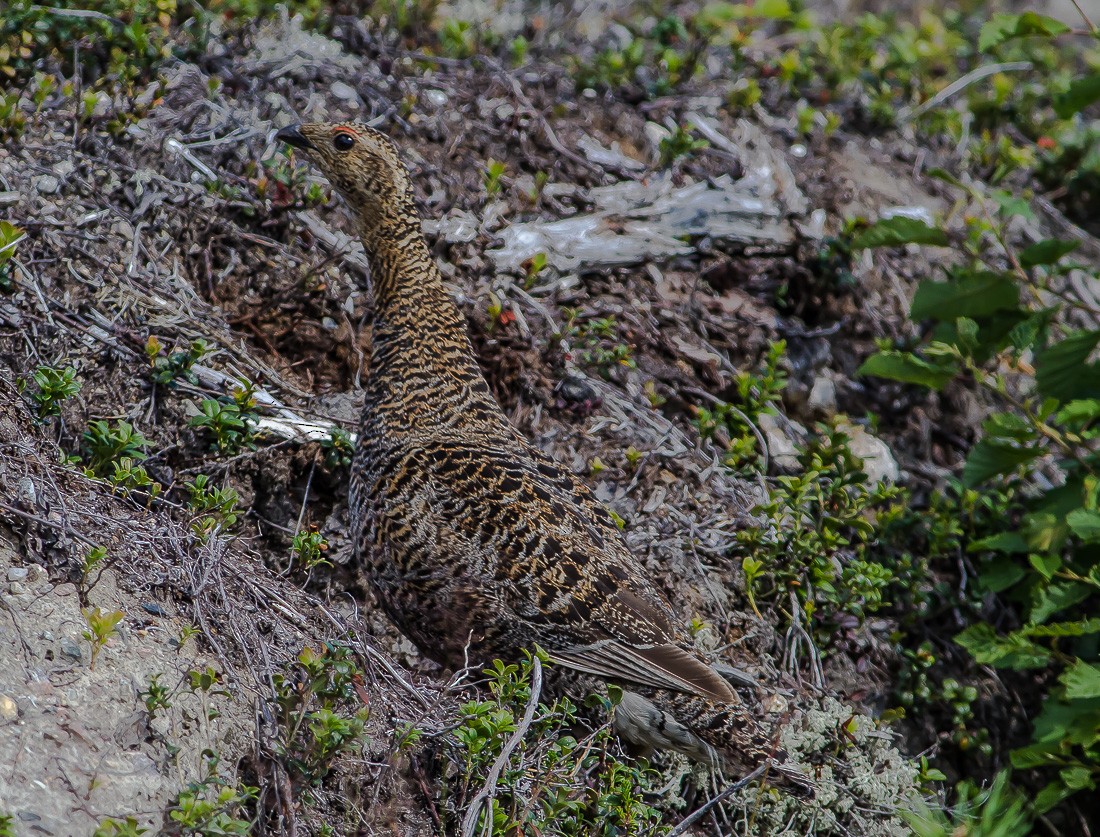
x=476 y=544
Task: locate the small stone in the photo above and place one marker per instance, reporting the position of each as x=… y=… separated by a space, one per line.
x=345 y=91
x=17 y=588
x=71 y=648
x=17 y=573
x=47 y=635
x=152 y=609
x=878 y=460
x=823 y=396
x=782 y=450
x=46 y=184
x=9 y=709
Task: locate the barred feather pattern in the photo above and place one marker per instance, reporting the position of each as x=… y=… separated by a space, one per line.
x=474 y=542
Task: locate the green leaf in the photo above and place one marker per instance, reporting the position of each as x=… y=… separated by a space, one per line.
x=989 y=458
x=1062 y=629
x=1081 y=680
x=1008 y=542
x=1070 y=721
x=1050 y=796
x=893 y=232
x=1077 y=777
x=907 y=368
x=1085 y=524
x=1012 y=204
x=1061 y=371
x=1082 y=92
x=1046 y=564
x=1001 y=28
x=1056 y=597
x=1036 y=755
x=1008 y=426
x=976 y=295
x=1080 y=413
x=1000 y=574
x=1033 y=330
x=1011 y=651
x=1048 y=251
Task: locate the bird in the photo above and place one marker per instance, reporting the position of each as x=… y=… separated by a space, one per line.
x=476 y=543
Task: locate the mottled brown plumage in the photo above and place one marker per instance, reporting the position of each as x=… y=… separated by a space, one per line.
x=477 y=544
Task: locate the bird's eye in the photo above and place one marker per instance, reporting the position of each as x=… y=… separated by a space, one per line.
x=343 y=141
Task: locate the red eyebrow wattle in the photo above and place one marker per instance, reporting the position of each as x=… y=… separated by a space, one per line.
x=345 y=129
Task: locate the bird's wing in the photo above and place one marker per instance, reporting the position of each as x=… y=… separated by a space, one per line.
x=568 y=575
x=660 y=666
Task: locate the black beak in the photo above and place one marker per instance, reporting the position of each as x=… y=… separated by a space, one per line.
x=291 y=135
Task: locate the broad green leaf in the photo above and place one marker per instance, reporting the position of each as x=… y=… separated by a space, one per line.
x=1008 y=542
x=10 y=235
x=1036 y=755
x=1061 y=370
x=1000 y=574
x=1044 y=532
x=1050 y=796
x=1011 y=651
x=989 y=458
x=1082 y=680
x=1082 y=92
x=1001 y=28
x=1077 y=777
x=1080 y=413
x=1056 y=597
x=773 y=9
x=1073 y=721
x=1085 y=524
x=1045 y=563
x=1012 y=204
x=976 y=295
x=1061 y=629
x=1026 y=334
x=1048 y=251
x=1008 y=426
x=907 y=368
x=893 y=232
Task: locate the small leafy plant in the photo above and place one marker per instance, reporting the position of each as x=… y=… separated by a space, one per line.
x=54 y=386
x=105 y=443
x=129 y=477
x=101 y=627
x=679 y=144
x=229 y=420
x=553 y=781
x=494 y=172
x=309 y=549
x=213 y=806
x=214 y=508
x=128 y=827
x=321 y=713
x=756 y=395
x=10 y=235
x=172 y=366
x=338 y=448
x=1004 y=321
x=599 y=343
x=156 y=697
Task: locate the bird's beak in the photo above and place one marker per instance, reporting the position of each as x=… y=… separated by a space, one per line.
x=292 y=135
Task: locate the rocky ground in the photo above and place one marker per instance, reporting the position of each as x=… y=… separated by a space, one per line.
x=172 y=218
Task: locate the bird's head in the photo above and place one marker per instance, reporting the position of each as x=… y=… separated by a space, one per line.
x=362 y=163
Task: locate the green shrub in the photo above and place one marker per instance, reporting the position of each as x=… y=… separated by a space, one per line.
x=1010 y=331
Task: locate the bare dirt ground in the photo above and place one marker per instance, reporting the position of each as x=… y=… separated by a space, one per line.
x=127 y=240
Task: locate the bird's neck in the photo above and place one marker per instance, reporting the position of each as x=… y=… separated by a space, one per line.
x=423 y=373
